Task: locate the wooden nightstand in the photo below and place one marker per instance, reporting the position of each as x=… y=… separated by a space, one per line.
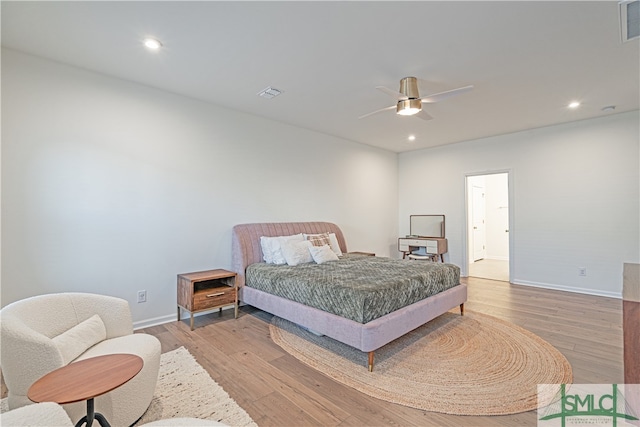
x=206 y=290
x=362 y=253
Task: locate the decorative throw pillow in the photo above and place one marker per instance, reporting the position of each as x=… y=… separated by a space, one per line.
x=321 y=254
x=318 y=239
x=75 y=341
x=297 y=252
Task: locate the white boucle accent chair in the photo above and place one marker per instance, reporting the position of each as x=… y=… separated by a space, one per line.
x=43 y=333
x=47 y=414
x=50 y=414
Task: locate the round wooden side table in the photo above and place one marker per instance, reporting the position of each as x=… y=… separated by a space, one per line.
x=86 y=380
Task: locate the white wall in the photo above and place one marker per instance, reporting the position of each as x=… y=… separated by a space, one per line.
x=576 y=198
x=113 y=187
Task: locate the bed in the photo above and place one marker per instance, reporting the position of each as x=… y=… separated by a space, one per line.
x=363 y=333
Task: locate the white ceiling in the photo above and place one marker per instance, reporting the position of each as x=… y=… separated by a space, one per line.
x=527 y=60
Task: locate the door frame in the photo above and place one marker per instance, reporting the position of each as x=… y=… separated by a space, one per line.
x=473 y=244
x=464 y=271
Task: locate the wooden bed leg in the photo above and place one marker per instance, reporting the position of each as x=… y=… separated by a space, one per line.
x=371 y=361
x=462 y=309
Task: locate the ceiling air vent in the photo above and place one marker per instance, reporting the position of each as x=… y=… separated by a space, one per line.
x=269 y=92
x=630 y=20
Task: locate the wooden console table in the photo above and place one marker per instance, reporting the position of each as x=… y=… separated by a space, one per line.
x=86 y=380
x=432 y=245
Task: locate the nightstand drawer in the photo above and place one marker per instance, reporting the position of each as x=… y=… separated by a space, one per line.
x=214 y=297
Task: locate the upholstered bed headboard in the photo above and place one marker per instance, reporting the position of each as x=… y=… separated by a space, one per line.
x=245 y=240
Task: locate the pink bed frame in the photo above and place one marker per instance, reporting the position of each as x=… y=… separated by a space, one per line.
x=366 y=337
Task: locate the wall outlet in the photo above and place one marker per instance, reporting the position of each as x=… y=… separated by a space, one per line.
x=142 y=296
x=582 y=271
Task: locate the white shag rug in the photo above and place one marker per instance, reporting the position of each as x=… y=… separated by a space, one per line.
x=185 y=390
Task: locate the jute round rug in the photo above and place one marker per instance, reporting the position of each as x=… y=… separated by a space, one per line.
x=465 y=365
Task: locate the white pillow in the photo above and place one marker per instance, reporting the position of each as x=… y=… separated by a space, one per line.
x=271 y=247
x=297 y=252
x=322 y=254
x=335 y=246
x=267 y=251
x=75 y=341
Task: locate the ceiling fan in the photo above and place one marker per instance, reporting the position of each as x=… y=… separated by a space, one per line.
x=409 y=101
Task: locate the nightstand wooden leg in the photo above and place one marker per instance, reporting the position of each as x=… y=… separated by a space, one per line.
x=192 y=320
x=178 y=313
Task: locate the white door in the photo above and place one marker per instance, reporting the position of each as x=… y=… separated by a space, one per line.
x=478 y=222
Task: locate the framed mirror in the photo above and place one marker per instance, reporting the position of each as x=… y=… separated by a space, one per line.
x=427 y=225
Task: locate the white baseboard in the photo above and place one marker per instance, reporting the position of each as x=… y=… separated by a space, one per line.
x=141 y=324
x=595 y=292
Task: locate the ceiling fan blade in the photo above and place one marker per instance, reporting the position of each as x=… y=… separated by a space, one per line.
x=436 y=97
x=377 y=111
x=423 y=115
x=393 y=93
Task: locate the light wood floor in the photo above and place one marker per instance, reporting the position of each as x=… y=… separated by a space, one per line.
x=492 y=269
x=278 y=390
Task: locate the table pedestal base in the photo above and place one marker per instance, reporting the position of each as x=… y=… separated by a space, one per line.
x=91 y=415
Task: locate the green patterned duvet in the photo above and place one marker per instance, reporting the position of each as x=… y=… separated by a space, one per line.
x=360 y=288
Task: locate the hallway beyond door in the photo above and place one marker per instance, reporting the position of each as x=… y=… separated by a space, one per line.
x=490 y=269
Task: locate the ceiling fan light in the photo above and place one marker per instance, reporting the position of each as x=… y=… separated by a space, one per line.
x=408 y=107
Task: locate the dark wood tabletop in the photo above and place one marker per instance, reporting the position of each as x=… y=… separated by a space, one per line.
x=85 y=379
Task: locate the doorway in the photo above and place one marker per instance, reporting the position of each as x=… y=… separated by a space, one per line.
x=488 y=226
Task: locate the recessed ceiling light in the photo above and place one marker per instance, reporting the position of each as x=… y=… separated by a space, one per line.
x=574 y=104
x=412 y=138
x=152 y=44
